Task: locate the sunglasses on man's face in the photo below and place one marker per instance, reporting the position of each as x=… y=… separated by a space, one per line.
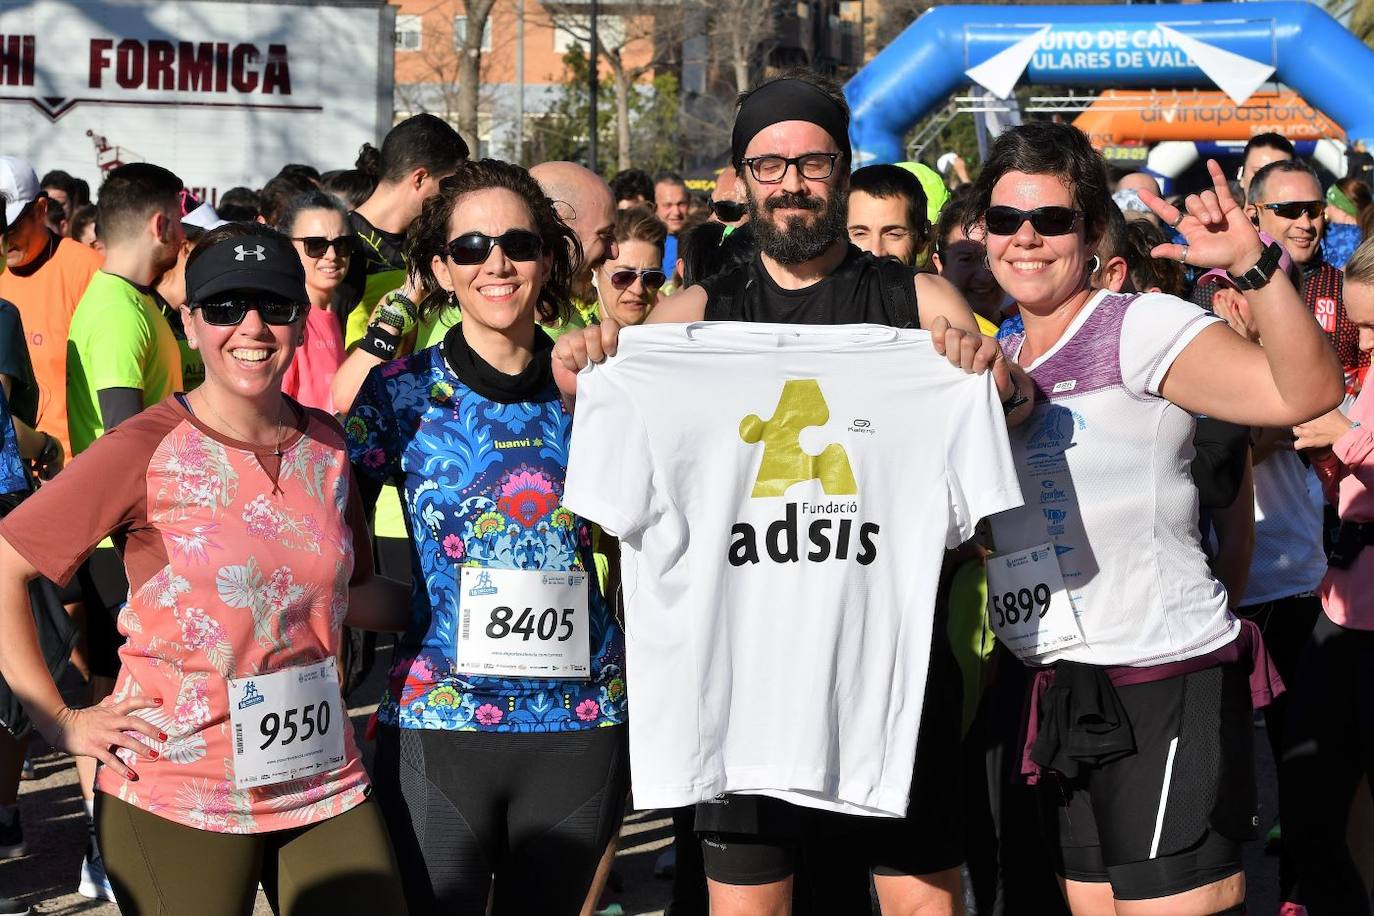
x=316 y=245
x=653 y=278
x=1044 y=220
x=231 y=312
x=727 y=211
x=1294 y=209
x=474 y=247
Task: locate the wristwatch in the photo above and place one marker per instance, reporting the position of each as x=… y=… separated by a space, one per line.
x=51 y=449
x=1259 y=275
x=1016 y=400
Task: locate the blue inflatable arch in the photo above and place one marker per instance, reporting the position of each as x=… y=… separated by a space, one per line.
x=1234 y=46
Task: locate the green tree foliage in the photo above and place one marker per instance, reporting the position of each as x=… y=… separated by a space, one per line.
x=656 y=138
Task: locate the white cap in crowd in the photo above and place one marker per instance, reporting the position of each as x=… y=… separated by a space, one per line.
x=18 y=185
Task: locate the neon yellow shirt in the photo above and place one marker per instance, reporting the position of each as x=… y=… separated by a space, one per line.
x=118 y=339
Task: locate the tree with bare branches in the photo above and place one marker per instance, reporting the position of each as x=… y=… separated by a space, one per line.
x=470 y=67
x=451 y=86
x=634 y=38
x=741 y=33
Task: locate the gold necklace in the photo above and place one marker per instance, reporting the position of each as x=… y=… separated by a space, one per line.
x=235 y=430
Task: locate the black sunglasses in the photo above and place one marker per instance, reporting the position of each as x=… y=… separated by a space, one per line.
x=1293 y=209
x=653 y=278
x=474 y=247
x=1044 y=220
x=316 y=245
x=229 y=312
x=728 y=211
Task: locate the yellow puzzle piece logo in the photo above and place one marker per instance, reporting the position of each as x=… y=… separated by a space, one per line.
x=784 y=463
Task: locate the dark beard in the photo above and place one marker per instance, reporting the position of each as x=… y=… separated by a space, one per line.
x=799 y=242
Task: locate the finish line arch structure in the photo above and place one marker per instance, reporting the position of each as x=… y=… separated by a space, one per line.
x=1236 y=47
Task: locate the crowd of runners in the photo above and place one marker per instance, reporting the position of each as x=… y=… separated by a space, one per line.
x=910 y=544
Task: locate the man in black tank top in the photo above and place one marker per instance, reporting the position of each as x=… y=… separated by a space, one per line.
x=790 y=148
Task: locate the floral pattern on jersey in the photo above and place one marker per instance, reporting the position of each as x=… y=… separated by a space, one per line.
x=193 y=545
x=309 y=462
x=202 y=632
x=214 y=804
x=195 y=474
x=280 y=605
x=481 y=483
x=230 y=603
x=305 y=800
x=273 y=523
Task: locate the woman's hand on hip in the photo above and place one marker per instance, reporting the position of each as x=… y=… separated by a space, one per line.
x=100 y=731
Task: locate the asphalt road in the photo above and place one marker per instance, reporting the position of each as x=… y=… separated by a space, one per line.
x=55 y=832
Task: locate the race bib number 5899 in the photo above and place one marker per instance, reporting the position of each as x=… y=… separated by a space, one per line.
x=1028 y=606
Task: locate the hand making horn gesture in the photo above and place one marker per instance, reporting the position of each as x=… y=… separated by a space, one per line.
x=1216 y=231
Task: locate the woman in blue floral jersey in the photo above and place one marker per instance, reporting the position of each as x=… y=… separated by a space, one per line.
x=501 y=739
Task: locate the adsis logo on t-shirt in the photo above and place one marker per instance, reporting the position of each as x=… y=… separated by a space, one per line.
x=784 y=464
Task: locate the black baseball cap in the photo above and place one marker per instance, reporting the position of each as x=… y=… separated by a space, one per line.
x=265 y=262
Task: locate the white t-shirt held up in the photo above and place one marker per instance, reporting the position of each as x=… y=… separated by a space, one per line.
x=784 y=496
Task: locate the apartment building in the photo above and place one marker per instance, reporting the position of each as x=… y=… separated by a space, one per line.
x=524 y=43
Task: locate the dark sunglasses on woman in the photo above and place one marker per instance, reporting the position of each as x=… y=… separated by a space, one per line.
x=653 y=278
x=474 y=247
x=316 y=245
x=229 y=312
x=1044 y=220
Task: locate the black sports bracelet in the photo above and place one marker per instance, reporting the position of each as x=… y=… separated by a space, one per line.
x=381 y=344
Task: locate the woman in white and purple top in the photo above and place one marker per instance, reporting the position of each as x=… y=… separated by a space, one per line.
x=1141 y=715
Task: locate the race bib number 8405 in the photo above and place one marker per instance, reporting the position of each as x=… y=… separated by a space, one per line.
x=523 y=623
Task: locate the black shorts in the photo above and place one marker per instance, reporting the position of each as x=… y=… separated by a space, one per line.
x=104 y=590
x=754 y=839
x=1172 y=816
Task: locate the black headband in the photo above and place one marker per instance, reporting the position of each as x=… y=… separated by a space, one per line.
x=788 y=100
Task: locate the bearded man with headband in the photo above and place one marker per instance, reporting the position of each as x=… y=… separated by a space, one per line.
x=790 y=149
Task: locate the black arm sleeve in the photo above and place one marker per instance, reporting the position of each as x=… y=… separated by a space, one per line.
x=1219 y=464
x=118 y=405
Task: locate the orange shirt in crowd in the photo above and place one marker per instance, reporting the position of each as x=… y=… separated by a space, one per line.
x=46 y=300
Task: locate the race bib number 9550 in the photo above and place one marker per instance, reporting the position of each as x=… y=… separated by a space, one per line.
x=287 y=725
x=523 y=623
x=1028 y=605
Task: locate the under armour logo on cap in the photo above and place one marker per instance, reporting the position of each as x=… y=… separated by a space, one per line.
x=252 y=259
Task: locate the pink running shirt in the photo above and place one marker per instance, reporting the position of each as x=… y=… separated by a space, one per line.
x=236 y=568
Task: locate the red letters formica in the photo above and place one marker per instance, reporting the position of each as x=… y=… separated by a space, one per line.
x=17 y=60
x=185 y=66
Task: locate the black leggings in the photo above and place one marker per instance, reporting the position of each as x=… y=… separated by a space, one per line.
x=1329 y=745
x=533 y=812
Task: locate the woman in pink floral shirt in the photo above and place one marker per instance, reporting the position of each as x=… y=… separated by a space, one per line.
x=227 y=757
